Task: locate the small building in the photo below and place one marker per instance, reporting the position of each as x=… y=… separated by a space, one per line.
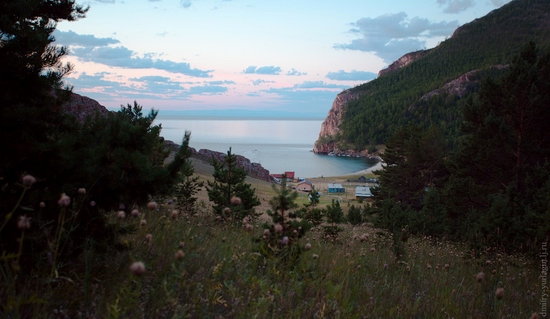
x=362 y=192
x=289 y=176
x=304 y=186
x=336 y=188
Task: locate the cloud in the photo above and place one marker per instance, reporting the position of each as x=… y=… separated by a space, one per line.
x=91 y=49
x=185 y=3
x=72 y=38
x=270 y=70
x=456 y=6
x=105 y=1
x=392 y=35
x=351 y=76
x=260 y=81
x=318 y=85
x=295 y=72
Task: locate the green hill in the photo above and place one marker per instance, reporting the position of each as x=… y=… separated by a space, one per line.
x=400 y=97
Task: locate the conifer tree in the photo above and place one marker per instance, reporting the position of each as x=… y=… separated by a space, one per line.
x=232 y=197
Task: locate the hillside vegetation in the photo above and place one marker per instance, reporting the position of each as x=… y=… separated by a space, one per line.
x=395 y=99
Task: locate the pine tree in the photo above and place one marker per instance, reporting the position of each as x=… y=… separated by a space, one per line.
x=188 y=185
x=232 y=197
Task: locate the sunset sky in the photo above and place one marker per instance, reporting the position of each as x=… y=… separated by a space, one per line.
x=255 y=57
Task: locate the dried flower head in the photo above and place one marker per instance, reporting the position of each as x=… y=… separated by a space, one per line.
x=64 y=200
x=82 y=191
x=135 y=213
x=121 y=214
x=226 y=210
x=249 y=227
x=235 y=201
x=266 y=232
x=480 y=276
x=137 y=268
x=24 y=222
x=92 y=203
x=284 y=241
x=181 y=244
x=278 y=228
x=152 y=205
x=315 y=256
x=308 y=246
x=42 y=205
x=180 y=254
x=499 y=293
x=143 y=222
x=174 y=214
x=148 y=238
x=28 y=180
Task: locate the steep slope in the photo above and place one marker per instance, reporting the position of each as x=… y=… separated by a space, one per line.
x=399 y=96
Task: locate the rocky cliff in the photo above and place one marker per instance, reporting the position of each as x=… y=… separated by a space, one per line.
x=330 y=126
x=82 y=106
x=403 y=62
x=252 y=169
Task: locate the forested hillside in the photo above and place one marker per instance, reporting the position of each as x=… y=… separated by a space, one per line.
x=399 y=98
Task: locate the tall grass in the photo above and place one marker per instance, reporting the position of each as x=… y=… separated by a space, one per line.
x=221 y=275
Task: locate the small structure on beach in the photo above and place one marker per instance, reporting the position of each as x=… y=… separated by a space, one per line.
x=336 y=188
x=304 y=186
x=362 y=192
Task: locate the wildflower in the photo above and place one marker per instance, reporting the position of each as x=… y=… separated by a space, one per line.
x=385 y=266
x=24 y=222
x=308 y=246
x=152 y=205
x=284 y=241
x=137 y=268
x=143 y=222
x=148 y=238
x=174 y=214
x=266 y=232
x=135 y=213
x=42 y=205
x=121 y=214
x=82 y=191
x=348 y=255
x=480 y=277
x=181 y=244
x=447 y=266
x=429 y=266
x=278 y=228
x=121 y=207
x=499 y=293
x=28 y=180
x=315 y=256
x=64 y=200
x=363 y=237
x=235 y=201
x=92 y=203
x=180 y=254
x=227 y=210
x=373 y=249
x=249 y=227
x=169 y=202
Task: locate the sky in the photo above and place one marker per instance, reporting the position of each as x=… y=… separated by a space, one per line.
x=247 y=57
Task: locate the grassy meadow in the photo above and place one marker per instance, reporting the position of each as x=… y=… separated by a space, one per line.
x=177 y=265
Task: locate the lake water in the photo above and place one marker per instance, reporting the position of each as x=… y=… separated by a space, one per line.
x=278 y=145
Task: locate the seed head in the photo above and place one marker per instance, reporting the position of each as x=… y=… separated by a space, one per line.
x=181 y=244
x=308 y=246
x=152 y=205
x=135 y=213
x=28 y=180
x=499 y=293
x=143 y=222
x=174 y=214
x=42 y=205
x=64 y=200
x=284 y=241
x=121 y=214
x=266 y=232
x=148 y=238
x=82 y=191
x=24 y=222
x=92 y=203
x=235 y=201
x=180 y=254
x=249 y=227
x=278 y=228
x=480 y=276
x=137 y=268
x=315 y=256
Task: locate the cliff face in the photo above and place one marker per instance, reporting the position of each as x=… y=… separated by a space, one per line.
x=403 y=62
x=330 y=126
x=82 y=106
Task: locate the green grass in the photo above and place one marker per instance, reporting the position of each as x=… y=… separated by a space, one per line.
x=222 y=275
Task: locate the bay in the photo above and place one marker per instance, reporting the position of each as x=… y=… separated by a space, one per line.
x=279 y=145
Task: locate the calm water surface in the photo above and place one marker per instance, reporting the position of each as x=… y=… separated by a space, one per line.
x=279 y=145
